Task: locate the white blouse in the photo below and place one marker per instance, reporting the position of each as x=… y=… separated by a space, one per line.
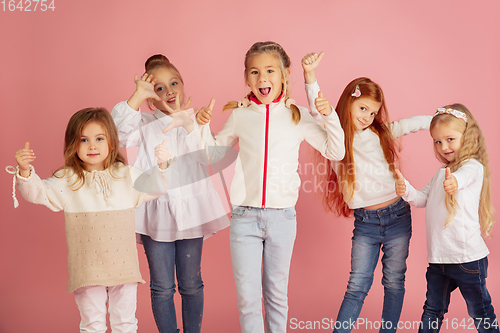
x=191 y=208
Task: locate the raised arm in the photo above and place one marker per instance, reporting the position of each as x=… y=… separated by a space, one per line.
x=410 y=125
x=326 y=137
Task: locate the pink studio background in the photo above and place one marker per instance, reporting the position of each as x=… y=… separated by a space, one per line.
x=424 y=54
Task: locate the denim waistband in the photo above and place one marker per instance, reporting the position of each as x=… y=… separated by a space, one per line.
x=261 y=208
x=400 y=204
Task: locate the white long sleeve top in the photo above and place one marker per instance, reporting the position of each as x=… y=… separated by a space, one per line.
x=461 y=240
x=266 y=168
x=191 y=209
x=374 y=182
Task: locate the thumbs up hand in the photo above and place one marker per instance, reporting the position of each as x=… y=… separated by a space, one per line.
x=311 y=61
x=400 y=184
x=23 y=158
x=205 y=113
x=450 y=182
x=162 y=153
x=322 y=105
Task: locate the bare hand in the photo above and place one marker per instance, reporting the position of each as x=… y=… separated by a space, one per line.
x=450 y=182
x=177 y=106
x=322 y=105
x=162 y=153
x=145 y=86
x=23 y=158
x=181 y=119
x=205 y=113
x=400 y=184
x=311 y=61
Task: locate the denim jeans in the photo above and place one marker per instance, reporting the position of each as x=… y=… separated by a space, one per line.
x=389 y=229
x=261 y=242
x=183 y=257
x=470 y=278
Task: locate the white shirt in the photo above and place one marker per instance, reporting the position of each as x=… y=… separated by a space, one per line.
x=192 y=208
x=461 y=240
x=272 y=180
x=374 y=181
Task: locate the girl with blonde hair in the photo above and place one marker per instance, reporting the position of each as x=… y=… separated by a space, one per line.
x=173 y=227
x=269 y=128
x=458 y=212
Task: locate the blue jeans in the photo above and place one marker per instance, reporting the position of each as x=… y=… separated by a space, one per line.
x=261 y=242
x=183 y=257
x=470 y=278
x=388 y=228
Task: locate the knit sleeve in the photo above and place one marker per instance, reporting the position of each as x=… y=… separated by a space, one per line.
x=52 y=192
x=151 y=184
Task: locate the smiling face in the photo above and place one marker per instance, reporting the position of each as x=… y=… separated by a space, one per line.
x=363 y=112
x=447 y=141
x=93 y=148
x=168 y=83
x=264 y=76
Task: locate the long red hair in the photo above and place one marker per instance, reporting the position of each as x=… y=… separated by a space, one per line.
x=340 y=179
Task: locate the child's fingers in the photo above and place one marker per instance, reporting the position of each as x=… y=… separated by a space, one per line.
x=447 y=173
x=187 y=104
x=321 y=54
x=399 y=175
x=211 y=104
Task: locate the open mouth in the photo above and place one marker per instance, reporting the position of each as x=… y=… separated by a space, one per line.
x=265 y=91
x=172 y=100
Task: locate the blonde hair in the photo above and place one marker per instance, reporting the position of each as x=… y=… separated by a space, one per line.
x=284 y=62
x=473 y=147
x=340 y=181
x=72 y=139
x=158 y=61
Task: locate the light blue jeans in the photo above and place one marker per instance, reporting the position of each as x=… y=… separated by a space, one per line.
x=261 y=242
x=389 y=229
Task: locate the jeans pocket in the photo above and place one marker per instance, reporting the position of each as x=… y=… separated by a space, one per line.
x=239 y=212
x=470 y=267
x=403 y=212
x=289 y=213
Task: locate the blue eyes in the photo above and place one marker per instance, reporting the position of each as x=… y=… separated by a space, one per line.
x=173 y=84
x=449 y=140
x=84 y=140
